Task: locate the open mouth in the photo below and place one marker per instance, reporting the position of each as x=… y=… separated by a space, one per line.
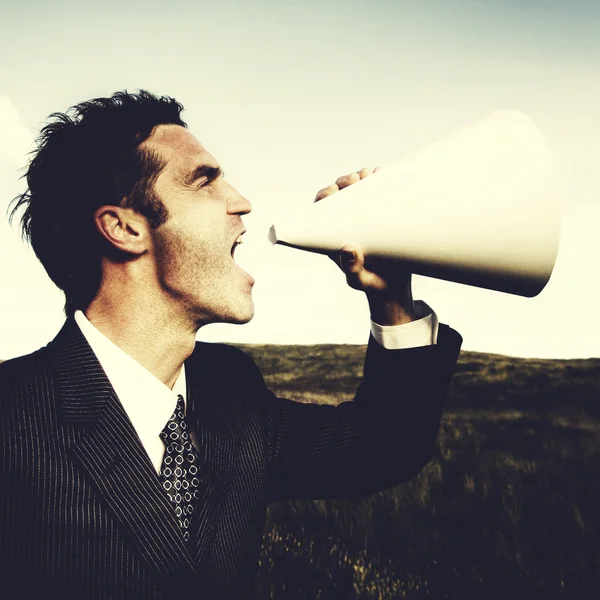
x=237 y=243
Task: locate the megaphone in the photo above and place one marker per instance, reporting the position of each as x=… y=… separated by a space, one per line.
x=481 y=207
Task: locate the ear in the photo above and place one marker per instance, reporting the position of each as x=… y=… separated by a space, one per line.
x=123 y=228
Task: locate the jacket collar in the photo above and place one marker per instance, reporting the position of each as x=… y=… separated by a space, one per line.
x=110 y=454
x=112 y=457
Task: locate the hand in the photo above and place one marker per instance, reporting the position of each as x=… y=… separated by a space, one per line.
x=386 y=285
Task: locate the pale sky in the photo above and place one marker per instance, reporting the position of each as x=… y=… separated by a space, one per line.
x=289 y=95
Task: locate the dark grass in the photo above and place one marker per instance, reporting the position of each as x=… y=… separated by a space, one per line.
x=509 y=506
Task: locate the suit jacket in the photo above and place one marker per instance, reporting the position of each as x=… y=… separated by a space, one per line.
x=82 y=512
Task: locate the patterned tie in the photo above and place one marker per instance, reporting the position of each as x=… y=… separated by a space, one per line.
x=179 y=470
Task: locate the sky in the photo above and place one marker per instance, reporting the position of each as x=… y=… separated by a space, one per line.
x=288 y=95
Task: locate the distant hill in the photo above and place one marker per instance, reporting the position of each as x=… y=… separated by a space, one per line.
x=305 y=373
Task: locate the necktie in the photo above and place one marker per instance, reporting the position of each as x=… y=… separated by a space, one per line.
x=179 y=470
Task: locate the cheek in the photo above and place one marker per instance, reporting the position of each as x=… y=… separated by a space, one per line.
x=191 y=252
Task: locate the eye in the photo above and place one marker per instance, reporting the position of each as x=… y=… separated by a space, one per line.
x=204 y=175
x=210 y=179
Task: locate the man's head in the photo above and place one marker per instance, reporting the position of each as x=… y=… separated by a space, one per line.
x=127 y=161
x=192 y=252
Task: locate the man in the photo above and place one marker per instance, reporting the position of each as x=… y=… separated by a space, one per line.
x=106 y=489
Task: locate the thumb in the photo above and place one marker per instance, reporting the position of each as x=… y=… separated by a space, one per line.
x=351 y=260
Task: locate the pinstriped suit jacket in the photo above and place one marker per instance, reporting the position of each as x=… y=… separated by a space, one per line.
x=82 y=513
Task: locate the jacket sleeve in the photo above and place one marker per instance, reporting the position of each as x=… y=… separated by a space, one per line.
x=383 y=437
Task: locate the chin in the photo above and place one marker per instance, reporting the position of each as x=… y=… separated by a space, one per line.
x=240 y=318
x=240 y=313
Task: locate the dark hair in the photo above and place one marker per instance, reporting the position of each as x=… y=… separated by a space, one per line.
x=86 y=158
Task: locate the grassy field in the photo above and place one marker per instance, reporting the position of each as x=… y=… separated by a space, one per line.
x=509 y=507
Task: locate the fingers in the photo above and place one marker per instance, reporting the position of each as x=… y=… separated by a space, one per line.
x=345 y=181
x=330 y=189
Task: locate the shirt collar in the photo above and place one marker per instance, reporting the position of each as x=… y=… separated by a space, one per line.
x=148 y=402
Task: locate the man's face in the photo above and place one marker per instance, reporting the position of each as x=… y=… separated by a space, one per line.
x=194 y=248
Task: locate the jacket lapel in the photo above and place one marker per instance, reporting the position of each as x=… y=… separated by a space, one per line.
x=217 y=419
x=110 y=454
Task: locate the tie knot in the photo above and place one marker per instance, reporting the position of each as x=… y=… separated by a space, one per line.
x=176 y=425
x=180 y=407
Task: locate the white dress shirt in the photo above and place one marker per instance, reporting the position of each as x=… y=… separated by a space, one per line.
x=423 y=331
x=149 y=403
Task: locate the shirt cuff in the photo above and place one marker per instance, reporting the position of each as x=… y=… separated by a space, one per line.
x=423 y=331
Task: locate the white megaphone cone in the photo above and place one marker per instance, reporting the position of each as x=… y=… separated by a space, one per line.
x=481 y=207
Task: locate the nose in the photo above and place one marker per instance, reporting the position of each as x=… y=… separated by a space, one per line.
x=238 y=204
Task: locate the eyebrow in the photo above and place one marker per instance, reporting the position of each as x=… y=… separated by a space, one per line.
x=208 y=171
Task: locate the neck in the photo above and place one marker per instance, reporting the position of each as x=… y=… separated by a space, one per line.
x=146 y=328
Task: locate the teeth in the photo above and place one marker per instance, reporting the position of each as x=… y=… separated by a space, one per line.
x=236 y=244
